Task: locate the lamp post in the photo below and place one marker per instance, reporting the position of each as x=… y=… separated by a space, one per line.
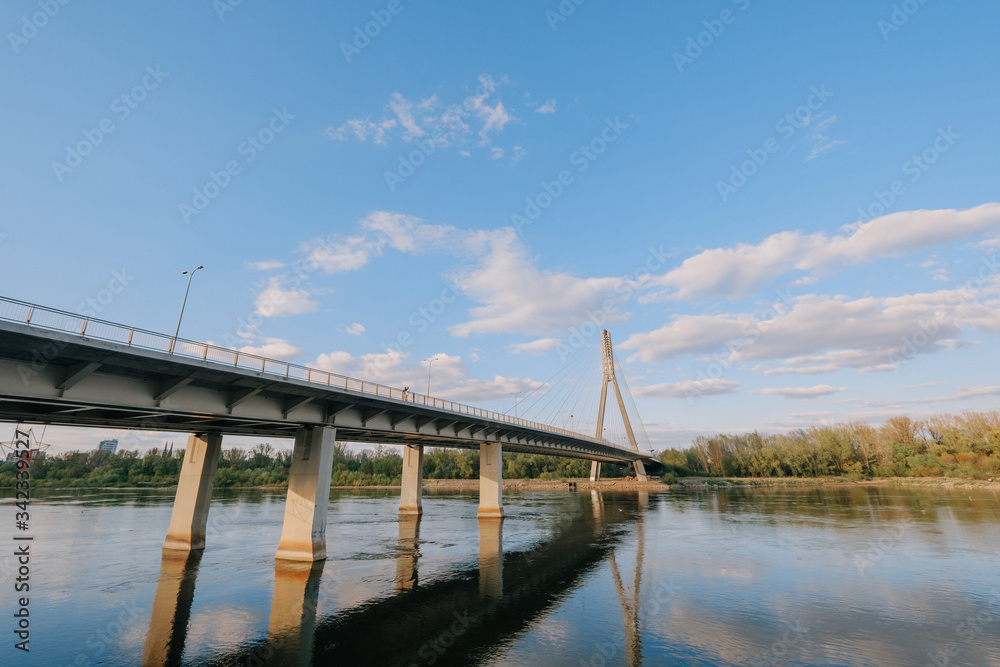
x=514 y=394
x=429 y=360
x=190 y=275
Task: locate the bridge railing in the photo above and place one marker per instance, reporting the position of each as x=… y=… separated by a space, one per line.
x=82 y=326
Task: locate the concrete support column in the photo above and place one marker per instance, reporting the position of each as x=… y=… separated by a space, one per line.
x=595 y=471
x=490 y=559
x=413 y=481
x=194 y=493
x=640 y=471
x=303 y=535
x=490 y=480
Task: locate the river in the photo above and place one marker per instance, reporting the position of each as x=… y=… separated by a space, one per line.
x=835 y=575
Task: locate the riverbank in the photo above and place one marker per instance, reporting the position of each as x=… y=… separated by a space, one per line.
x=680 y=484
x=697 y=483
x=546 y=485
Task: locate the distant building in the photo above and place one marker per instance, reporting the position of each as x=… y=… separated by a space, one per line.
x=108 y=445
x=32 y=455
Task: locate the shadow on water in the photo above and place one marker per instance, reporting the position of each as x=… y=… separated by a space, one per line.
x=464 y=619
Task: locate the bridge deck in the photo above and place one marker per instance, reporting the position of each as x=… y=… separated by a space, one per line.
x=64 y=369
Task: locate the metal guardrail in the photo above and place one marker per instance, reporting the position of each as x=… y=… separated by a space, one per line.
x=85 y=327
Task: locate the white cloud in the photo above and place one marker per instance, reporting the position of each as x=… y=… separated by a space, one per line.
x=277 y=300
x=449 y=375
x=473 y=121
x=824 y=145
x=688 y=389
x=355 y=329
x=363 y=129
x=266 y=266
x=379 y=229
x=741 y=270
x=535 y=347
x=688 y=334
x=548 y=107
x=403 y=108
x=407 y=233
x=273 y=348
x=496 y=153
x=961 y=394
x=346 y=254
x=818 y=391
x=818 y=333
x=517 y=297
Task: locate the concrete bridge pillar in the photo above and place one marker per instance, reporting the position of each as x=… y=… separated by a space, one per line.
x=413 y=481
x=303 y=535
x=194 y=493
x=595 y=471
x=490 y=480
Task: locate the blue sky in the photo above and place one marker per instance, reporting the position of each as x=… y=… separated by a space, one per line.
x=785 y=213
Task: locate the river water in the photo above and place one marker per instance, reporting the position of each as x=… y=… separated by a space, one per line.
x=805 y=576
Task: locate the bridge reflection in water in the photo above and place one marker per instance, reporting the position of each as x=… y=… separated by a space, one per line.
x=462 y=619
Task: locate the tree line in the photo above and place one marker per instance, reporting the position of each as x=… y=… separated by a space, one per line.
x=265 y=465
x=963 y=446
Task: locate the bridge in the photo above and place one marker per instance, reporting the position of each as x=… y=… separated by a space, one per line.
x=65 y=369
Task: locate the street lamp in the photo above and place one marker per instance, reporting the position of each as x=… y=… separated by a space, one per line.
x=190 y=275
x=514 y=394
x=429 y=361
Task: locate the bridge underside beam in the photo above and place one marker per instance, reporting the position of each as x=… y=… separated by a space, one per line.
x=194 y=493
x=303 y=534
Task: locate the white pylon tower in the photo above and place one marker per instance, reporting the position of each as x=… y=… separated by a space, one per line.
x=609 y=377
